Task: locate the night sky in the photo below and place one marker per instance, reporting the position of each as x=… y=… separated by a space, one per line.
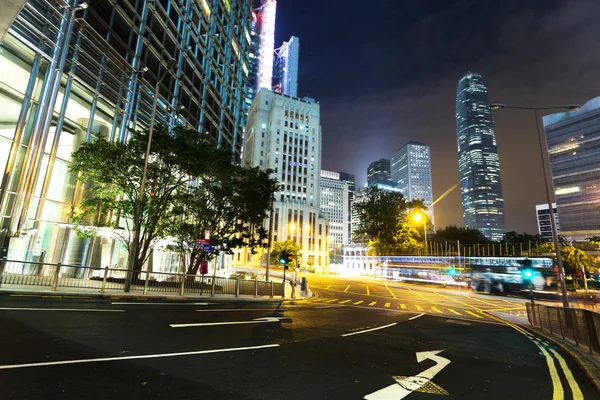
x=385 y=72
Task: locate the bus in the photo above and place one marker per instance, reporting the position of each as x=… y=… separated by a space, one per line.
x=503 y=274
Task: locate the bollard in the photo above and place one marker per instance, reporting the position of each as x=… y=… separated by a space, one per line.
x=103 y=288
x=55 y=277
x=182 y=290
x=146 y=282
x=237 y=287
x=255 y=285
x=2 y=266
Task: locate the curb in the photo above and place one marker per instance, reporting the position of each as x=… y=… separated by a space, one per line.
x=585 y=362
x=130 y=296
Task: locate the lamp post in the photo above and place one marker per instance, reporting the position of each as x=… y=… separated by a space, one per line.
x=549 y=185
x=418 y=217
x=137 y=225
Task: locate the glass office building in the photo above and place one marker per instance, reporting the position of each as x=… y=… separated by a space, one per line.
x=379 y=171
x=478 y=164
x=573 y=140
x=70 y=72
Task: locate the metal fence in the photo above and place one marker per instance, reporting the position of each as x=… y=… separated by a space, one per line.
x=580 y=325
x=39 y=275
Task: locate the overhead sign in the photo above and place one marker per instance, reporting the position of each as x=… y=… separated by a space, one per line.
x=405 y=385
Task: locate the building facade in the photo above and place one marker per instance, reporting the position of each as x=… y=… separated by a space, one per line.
x=379 y=171
x=478 y=164
x=70 y=74
x=411 y=170
x=544 y=223
x=573 y=140
x=266 y=15
x=285 y=68
x=336 y=194
x=284 y=134
x=360 y=197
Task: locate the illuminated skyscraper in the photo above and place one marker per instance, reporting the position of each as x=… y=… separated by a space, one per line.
x=573 y=139
x=268 y=12
x=411 y=170
x=478 y=165
x=285 y=68
x=379 y=171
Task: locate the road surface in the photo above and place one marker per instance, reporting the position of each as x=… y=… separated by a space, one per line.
x=365 y=341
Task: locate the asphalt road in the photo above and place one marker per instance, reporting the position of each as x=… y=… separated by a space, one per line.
x=73 y=348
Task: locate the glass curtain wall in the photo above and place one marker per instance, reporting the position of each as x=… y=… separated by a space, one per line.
x=69 y=75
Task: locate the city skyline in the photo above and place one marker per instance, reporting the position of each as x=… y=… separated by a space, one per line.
x=411 y=97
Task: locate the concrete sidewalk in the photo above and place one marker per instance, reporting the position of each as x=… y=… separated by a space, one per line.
x=35 y=291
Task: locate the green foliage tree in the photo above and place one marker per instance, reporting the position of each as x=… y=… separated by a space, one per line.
x=513 y=237
x=572 y=258
x=385 y=219
x=288 y=246
x=231 y=202
x=112 y=173
x=454 y=233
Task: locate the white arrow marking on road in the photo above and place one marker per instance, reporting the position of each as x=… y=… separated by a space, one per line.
x=254 y=321
x=407 y=385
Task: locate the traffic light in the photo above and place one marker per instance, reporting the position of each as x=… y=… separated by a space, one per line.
x=289 y=258
x=452 y=272
x=527 y=270
x=283 y=257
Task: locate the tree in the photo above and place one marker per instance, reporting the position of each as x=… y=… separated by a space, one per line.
x=378 y=218
x=289 y=247
x=513 y=237
x=231 y=202
x=572 y=258
x=112 y=174
x=464 y=235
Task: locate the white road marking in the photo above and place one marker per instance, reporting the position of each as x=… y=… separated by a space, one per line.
x=369 y=330
x=405 y=385
x=91 y=360
x=416 y=316
x=254 y=321
x=58 y=309
x=158 y=304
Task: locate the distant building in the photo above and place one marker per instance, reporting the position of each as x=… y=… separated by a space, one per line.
x=360 y=197
x=478 y=164
x=411 y=170
x=351 y=182
x=379 y=171
x=573 y=140
x=544 y=223
x=335 y=201
x=284 y=134
x=285 y=67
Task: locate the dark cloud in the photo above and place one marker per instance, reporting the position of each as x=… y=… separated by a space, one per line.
x=385 y=72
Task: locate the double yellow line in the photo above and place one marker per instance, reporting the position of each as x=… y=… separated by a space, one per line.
x=558 y=392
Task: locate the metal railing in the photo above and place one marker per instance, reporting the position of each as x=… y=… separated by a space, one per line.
x=40 y=275
x=579 y=325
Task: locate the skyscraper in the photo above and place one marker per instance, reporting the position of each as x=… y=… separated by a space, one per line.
x=573 y=139
x=284 y=134
x=478 y=164
x=268 y=11
x=98 y=79
x=379 y=171
x=336 y=190
x=543 y=220
x=285 y=68
x=411 y=170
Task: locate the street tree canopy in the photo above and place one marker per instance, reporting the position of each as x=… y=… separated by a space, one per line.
x=294 y=249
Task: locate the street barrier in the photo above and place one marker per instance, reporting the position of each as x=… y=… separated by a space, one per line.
x=39 y=275
x=579 y=325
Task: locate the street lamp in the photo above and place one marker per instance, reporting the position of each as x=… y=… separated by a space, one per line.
x=549 y=186
x=418 y=216
x=137 y=226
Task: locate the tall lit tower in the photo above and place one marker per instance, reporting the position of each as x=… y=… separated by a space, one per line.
x=267 y=44
x=285 y=71
x=478 y=164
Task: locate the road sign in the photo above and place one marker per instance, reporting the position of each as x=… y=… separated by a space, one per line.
x=203 y=241
x=405 y=385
